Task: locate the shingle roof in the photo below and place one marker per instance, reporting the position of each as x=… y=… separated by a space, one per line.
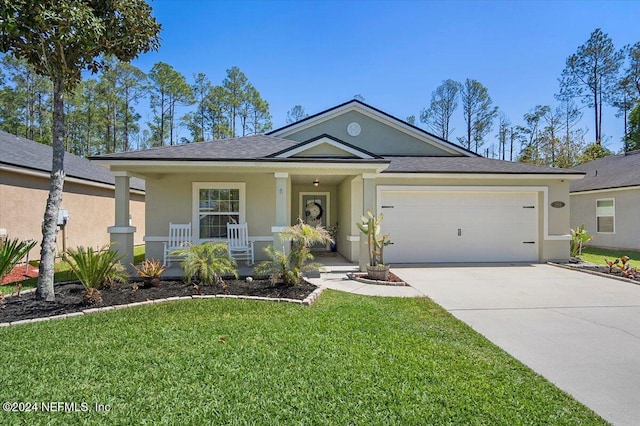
x=25 y=153
x=327 y=136
x=466 y=165
x=263 y=148
x=614 y=171
x=245 y=148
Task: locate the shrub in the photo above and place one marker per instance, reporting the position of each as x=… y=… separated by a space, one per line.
x=12 y=252
x=206 y=263
x=150 y=270
x=579 y=237
x=95 y=269
x=291 y=267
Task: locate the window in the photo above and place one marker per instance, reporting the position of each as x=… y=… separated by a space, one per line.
x=214 y=205
x=605 y=215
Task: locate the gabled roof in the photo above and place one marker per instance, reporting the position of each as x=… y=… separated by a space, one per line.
x=244 y=148
x=328 y=139
x=381 y=115
x=27 y=154
x=614 y=171
x=265 y=149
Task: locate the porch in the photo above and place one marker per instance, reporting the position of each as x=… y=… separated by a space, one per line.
x=332 y=262
x=335 y=197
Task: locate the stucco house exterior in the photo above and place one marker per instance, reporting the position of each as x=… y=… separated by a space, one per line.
x=441 y=203
x=88 y=197
x=607 y=201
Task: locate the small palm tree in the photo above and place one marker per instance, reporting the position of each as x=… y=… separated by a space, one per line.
x=11 y=252
x=95 y=269
x=290 y=268
x=206 y=263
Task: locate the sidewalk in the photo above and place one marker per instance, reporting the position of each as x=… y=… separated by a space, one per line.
x=334 y=276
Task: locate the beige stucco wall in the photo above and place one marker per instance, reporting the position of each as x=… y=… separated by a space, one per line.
x=627 y=217
x=169 y=199
x=91 y=211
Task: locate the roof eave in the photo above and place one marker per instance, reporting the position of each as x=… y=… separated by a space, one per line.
x=482 y=174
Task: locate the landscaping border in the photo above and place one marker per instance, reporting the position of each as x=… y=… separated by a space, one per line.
x=308 y=301
x=355 y=276
x=588 y=271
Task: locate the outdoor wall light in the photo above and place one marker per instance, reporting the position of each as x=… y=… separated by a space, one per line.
x=316 y=182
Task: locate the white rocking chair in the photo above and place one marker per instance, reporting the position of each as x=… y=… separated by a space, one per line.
x=179 y=237
x=240 y=247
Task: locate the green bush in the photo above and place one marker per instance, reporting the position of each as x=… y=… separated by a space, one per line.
x=579 y=237
x=206 y=263
x=11 y=252
x=291 y=267
x=95 y=269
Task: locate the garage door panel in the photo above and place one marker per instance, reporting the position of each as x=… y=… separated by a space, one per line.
x=440 y=226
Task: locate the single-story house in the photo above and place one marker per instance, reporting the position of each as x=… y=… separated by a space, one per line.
x=441 y=202
x=607 y=201
x=87 y=200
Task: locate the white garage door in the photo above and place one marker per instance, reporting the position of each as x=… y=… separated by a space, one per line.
x=460 y=226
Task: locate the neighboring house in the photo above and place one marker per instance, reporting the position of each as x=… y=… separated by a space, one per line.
x=607 y=201
x=88 y=197
x=441 y=203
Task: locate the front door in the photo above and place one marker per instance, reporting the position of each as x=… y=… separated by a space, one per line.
x=314 y=209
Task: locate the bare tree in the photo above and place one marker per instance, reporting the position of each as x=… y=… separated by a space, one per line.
x=591 y=73
x=444 y=102
x=478 y=113
x=296 y=113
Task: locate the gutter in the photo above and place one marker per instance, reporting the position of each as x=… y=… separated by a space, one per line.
x=45 y=175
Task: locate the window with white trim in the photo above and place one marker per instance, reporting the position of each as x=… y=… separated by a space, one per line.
x=214 y=205
x=605 y=215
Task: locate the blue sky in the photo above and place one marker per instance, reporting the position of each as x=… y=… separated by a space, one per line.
x=394 y=53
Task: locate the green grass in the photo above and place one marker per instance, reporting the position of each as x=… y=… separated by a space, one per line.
x=348 y=359
x=598 y=255
x=62 y=273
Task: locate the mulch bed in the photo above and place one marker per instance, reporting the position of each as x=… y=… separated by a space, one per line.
x=577 y=264
x=70 y=296
x=20 y=273
x=362 y=277
x=617 y=273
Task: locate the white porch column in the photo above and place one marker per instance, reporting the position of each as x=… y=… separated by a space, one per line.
x=282 y=210
x=121 y=232
x=368 y=204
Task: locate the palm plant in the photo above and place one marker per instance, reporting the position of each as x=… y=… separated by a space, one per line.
x=579 y=237
x=206 y=263
x=11 y=252
x=150 y=270
x=95 y=269
x=291 y=267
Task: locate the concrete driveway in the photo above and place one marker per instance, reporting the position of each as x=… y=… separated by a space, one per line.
x=580 y=331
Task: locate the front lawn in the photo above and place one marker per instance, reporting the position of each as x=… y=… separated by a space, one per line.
x=347 y=359
x=598 y=255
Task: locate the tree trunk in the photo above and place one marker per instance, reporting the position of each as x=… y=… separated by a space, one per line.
x=162 y=119
x=44 y=290
x=172 y=105
x=125 y=142
x=600 y=117
x=595 y=105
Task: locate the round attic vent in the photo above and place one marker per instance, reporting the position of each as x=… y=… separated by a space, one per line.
x=354 y=129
